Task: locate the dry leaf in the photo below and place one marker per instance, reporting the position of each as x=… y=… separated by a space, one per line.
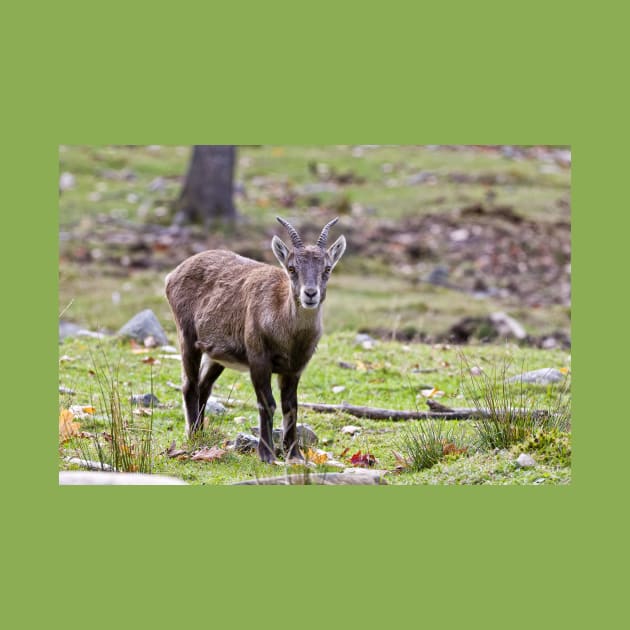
x=564 y=370
x=208 y=454
x=350 y=429
x=432 y=393
x=316 y=457
x=151 y=361
x=67 y=427
x=448 y=448
x=142 y=411
x=363 y=460
x=175 y=452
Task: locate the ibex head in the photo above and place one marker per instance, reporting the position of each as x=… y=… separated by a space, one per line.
x=308 y=266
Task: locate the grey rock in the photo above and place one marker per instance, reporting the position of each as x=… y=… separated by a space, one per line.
x=525 y=461
x=507 y=326
x=142 y=325
x=145 y=400
x=305 y=433
x=70 y=329
x=245 y=443
x=100 y=478
x=544 y=376
x=438 y=276
x=213 y=406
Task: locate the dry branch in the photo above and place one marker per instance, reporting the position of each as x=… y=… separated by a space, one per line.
x=377 y=413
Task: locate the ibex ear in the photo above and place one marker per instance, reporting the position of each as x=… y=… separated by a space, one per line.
x=280 y=250
x=336 y=250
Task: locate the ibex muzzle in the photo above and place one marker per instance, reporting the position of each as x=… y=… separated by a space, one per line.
x=234 y=312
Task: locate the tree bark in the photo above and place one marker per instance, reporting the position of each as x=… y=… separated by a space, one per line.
x=208 y=192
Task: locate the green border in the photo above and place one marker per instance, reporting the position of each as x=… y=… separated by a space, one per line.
x=280 y=72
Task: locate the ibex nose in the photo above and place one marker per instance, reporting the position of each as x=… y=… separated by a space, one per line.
x=309 y=292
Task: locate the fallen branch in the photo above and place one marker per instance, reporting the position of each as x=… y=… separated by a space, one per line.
x=377 y=413
x=438 y=411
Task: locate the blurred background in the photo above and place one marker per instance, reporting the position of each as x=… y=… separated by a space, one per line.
x=456 y=243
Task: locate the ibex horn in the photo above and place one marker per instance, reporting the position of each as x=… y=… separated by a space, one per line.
x=323 y=237
x=295 y=237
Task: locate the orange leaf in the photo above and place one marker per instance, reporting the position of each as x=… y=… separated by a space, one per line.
x=208 y=454
x=67 y=427
x=316 y=457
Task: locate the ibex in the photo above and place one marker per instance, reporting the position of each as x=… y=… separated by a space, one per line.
x=238 y=313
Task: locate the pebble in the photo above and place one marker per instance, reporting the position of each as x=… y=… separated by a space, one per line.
x=525 y=461
x=544 y=376
x=213 y=406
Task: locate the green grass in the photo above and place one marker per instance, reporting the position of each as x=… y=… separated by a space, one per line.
x=107 y=176
x=390 y=375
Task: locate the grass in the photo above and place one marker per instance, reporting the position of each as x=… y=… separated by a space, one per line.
x=389 y=375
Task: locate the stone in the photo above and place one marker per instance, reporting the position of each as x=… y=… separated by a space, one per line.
x=142 y=325
x=507 y=326
x=214 y=407
x=544 y=376
x=70 y=329
x=305 y=433
x=145 y=400
x=525 y=461
x=245 y=443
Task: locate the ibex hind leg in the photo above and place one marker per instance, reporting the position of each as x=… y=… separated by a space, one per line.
x=191 y=362
x=208 y=374
x=261 y=379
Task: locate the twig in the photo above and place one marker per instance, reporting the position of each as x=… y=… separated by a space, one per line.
x=377 y=413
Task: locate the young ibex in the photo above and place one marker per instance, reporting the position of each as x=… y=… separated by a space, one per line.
x=234 y=312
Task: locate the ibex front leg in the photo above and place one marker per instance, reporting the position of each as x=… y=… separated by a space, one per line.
x=288 y=391
x=261 y=379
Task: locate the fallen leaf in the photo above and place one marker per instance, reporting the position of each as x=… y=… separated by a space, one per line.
x=564 y=370
x=363 y=460
x=448 y=448
x=67 y=427
x=175 y=452
x=65 y=358
x=337 y=389
x=316 y=457
x=350 y=429
x=142 y=411
x=206 y=454
x=81 y=412
x=431 y=393
x=151 y=360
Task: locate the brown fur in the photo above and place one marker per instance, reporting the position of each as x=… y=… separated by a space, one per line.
x=242 y=313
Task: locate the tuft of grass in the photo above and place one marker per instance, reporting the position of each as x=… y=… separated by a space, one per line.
x=127 y=446
x=427 y=442
x=513 y=411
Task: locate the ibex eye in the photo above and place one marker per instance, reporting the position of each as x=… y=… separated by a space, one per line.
x=327 y=270
x=291 y=269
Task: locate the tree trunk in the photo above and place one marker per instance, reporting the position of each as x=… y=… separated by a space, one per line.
x=207 y=194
